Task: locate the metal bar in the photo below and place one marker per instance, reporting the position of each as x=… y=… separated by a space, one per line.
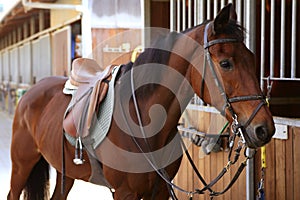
x=262 y=42
x=215 y=8
x=208 y=9
x=201 y=134
x=282 y=79
x=239 y=10
x=201 y=11
x=192 y=131
x=272 y=38
x=222 y=3
x=183 y=15
x=202 y=108
x=293 y=41
x=172 y=15
x=250 y=24
x=282 y=40
x=178 y=16
x=196 y=12
x=189 y=13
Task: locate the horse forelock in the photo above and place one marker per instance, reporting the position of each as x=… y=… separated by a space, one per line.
x=232 y=29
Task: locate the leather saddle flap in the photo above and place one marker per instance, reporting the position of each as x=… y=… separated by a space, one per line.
x=92 y=89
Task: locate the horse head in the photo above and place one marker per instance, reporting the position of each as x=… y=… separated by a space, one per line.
x=227 y=80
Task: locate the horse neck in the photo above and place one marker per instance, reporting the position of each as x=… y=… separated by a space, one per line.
x=172 y=96
x=173 y=91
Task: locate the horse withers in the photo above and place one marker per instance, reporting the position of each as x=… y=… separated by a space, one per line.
x=141 y=152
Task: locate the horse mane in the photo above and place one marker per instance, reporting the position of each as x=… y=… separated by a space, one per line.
x=157 y=54
x=232 y=28
x=160 y=50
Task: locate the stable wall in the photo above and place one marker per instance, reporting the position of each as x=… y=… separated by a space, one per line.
x=282 y=174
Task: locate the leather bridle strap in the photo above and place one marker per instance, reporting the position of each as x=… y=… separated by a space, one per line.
x=228 y=101
x=250 y=98
x=246 y=98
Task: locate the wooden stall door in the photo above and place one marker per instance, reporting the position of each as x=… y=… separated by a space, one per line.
x=14 y=65
x=282 y=174
x=114 y=46
x=25 y=64
x=208 y=165
x=41 y=58
x=6 y=68
x=61 y=51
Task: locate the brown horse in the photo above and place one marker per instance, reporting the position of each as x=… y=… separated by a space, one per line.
x=140 y=155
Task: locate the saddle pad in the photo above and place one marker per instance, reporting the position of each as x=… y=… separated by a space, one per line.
x=101 y=123
x=102 y=120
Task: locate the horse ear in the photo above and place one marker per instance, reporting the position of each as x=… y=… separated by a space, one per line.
x=226 y=15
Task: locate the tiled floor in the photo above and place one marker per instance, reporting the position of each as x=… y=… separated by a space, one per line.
x=80 y=190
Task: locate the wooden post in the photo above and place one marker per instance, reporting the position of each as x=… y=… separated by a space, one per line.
x=41 y=20
x=32 y=25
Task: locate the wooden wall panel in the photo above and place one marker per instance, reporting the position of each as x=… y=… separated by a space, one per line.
x=208 y=165
x=114 y=38
x=282 y=175
x=289 y=166
x=270 y=170
x=296 y=160
x=280 y=170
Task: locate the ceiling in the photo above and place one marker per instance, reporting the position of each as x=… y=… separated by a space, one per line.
x=19 y=15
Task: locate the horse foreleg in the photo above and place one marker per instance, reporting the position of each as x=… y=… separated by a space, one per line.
x=160 y=191
x=125 y=194
x=68 y=184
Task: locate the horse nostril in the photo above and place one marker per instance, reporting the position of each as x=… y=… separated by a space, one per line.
x=262 y=133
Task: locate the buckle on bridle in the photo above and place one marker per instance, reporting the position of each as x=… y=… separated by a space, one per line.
x=237 y=129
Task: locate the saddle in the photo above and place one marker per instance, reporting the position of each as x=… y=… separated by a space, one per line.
x=89 y=86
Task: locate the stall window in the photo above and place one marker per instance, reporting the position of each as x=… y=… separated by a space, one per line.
x=115 y=14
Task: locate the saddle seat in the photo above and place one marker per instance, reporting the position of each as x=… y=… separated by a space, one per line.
x=90 y=84
x=84 y=71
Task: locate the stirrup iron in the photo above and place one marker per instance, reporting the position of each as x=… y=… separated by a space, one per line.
x=78 y=160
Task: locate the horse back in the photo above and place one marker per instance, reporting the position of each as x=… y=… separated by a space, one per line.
x=36 y=102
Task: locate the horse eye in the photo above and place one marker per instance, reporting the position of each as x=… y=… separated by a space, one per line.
x=225 y=64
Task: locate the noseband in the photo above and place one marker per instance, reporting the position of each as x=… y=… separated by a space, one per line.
x=237 y=127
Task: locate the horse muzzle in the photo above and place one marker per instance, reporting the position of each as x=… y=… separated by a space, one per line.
x=258 y=135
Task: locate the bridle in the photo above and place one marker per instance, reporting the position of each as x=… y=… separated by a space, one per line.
x=237 y=128
x=236 y=125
